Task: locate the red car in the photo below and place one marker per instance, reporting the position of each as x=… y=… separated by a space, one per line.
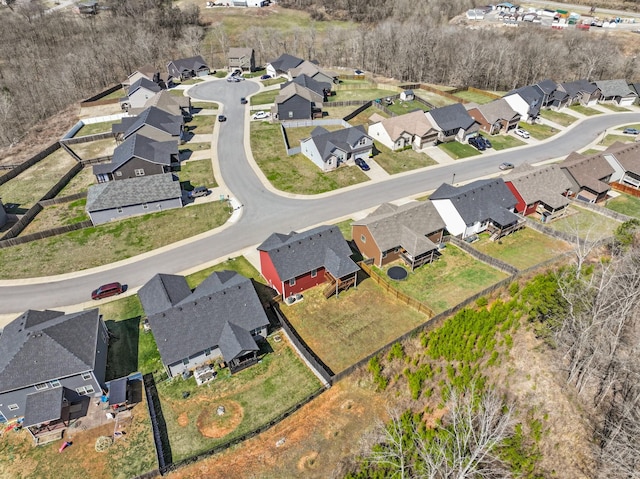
x=107 y=290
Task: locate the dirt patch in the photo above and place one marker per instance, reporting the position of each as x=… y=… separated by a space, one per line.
x=183 y=420
x=215 y=426
x=308 y=461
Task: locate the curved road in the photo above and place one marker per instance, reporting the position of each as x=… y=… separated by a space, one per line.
x=265 y=212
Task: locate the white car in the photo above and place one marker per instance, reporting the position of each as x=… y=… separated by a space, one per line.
x=260 y=115
x=521 y=133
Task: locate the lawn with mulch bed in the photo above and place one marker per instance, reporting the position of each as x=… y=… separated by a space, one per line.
x=625 y=204
x=522 y=249
x=345 y=329
x=394 y=162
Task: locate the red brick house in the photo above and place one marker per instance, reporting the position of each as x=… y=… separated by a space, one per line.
x=296 y=262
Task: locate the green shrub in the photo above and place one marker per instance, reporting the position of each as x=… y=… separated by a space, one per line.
x=482 y=301
x=514 y=288
x=396 y=352
x=375 y=367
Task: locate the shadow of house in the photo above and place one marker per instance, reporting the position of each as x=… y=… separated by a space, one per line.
x=123 y=347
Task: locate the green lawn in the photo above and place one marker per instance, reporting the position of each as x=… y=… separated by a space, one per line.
x=93 y=128
x=585 y=110
x=79 y=183
x=538 y=131
x=345 y=329
x=294 y=135
x=402 y=107
x=274 y=81
x=264 y=97
x=201 y=124
x=449 y=280
x=361 y=94
x=176 y=92
x=590 y=151
x=394 y=162
x=104 y=244
x=220 y=74
x=361 y=119
x=625 y=204
x=204 y=105
x=609 y=140
x=503 y=142
x=195 y=146
x=474 y=97
x=522 y=249
x=433 y=98
x=612 y=107
x=633 y=125
x=295 y=174
x=114 y=94
x=345 y=229
x=585 y=224
x=197 y=173
x=60 y=214
x=560 y=118
x=458 y=150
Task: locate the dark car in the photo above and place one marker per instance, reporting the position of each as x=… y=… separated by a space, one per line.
x=362 y=164
x=243 y=100
x=199 y=191
x=477 y=142
x=631 y=131
x=265 y=77
x=222 y=118
x=106 y=290
x=487 y=143
x=506 y=166
x=237 y=72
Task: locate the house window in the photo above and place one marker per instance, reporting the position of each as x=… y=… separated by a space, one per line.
x=292 y=282
x=290 y=114
x=85 y=389
x=118 y=173
x=362 y=141
x=314 y=273
x=145 y=206
x=87 y=376
x=384 y=254
x=363 y=238
x=185 y=361
x=256 y=332
x=54 y=384
x=13 y=407
x=139 y=172
x=41 y=386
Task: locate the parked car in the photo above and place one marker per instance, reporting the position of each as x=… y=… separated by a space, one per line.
x=362 y=164
x=358 y=72
x=243 y=100
x=265 y=77
x=506 y=166
x=487 y=143
x=260 y=115
x=477 y=142
x=521 y=133
x=199 y=191
x=631 y=131
x=231 y=79
x=222 y=118
x=236 y=72
x=106 y=290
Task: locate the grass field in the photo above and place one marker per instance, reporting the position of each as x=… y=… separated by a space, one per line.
x=115 y=94
x=295 y=174
x=433 y=98
x=522 y=249
x=273 y=81
x=201 y=124
x=61 y=214
x=402 y=107
x=345 y=329
x=195 y=146
x=264 y=97
x=79 y=183
x=176 y=92
x=93 y=128
x=294 y=135
x=110 y=242
x=474 y=97
x=537 y=131
x=585 y=224
x=197 y=173
x=585 y=110
x=503 y=142
x=345 y=229
x=458 y=150
x=204 y=105
x=560 y=118
x=590 y=151
x=26 y=189
x=609 y=140
x=625 y=204
x=633 y=125
x=449 y=280
x=361 y=94
x=94 y=149
x=612 y=107
x=394 y=162
x=361 y=119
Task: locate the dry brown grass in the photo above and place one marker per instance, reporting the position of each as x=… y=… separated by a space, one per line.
x=94 y=149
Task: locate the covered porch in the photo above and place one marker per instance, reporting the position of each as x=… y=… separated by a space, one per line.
x=498 y=230
x=46 y=415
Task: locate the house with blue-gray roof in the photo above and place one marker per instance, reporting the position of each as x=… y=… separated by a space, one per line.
x=153 y=122
x=330 y=149
x=453 y=122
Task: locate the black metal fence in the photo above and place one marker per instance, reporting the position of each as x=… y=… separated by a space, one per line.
x=158 y=425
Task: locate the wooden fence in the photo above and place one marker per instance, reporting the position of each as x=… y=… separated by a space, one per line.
x=98 y=99
x=491 y=261
x=29 y=163
x=5 y=243
x=446 y=94
x=626 y=189
x=87 y=138
x=614 y=215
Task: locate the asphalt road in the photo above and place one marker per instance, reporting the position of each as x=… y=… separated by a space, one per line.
x=265 y=212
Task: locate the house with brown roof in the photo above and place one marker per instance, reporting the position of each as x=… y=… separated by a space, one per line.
x=398 y=132
x=624 y=158
x=241 y=59
x=311 y=70
x=589 y=176
x=494 y=117
x=295 y=102
x=542 y=190
x=411 y=233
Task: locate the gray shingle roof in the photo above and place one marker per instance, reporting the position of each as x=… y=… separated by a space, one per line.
x=547 y=86
x=154 y=117
x=189 y=64
x=532 y=96
x=296 y=254
x=480 y=200
x=309 y=83
x=407 y=226
x=40 y=346
x=132 y=191
x=43 y=406
x=239 y=52
x=236 y=341
x=285 y=62
x=292 y=89
x=452 y=117
x=198 y=321
x=138 y=146
x=578 y=87
x=345 y=140
x=143 y=83
x=546 y=183
x=162 y=292
x=614 y=88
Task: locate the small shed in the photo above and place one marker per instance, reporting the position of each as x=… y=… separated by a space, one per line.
x=407 y=95
x=118 y=393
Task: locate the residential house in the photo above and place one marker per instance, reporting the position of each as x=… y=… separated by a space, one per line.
x=542 y=190
x=313 y=71
x=494 y=117
x=149 y=72
x=165 y=101
x=331 y=149
x=483 y=205
x=526 y=101
x=295 y=102
x=411 y=233
x=453 y=123
x=407 y=95
x=51 y=364
x=408 y=130
x=580 y=92
x=546 y=88
x=240 y=58
x=635 y=87
x=320 y=88
x=282 y=65
x=153 y=123
x=116 y=200
x=589 y=176
x=624 y=158
x=3 y=215
x=296 y=262
x=221 y=318
x=185 y=68
x=138 y=93
x=616 y=91
x=139 y=156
